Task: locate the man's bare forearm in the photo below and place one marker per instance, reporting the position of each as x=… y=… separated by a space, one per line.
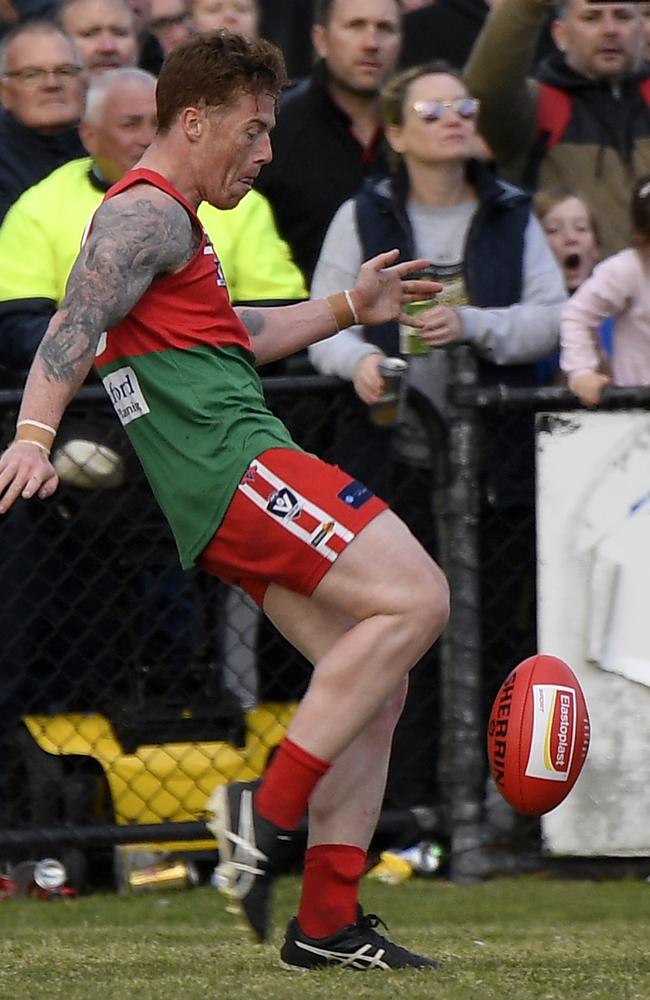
x=283 y=330
x=379 y=293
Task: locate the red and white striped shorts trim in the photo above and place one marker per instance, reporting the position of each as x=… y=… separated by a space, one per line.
x=290 y=518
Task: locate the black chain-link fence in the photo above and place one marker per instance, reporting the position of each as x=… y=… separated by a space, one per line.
x=488 y=553
x=130 y=689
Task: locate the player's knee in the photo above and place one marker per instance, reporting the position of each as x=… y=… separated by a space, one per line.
x=430 y=603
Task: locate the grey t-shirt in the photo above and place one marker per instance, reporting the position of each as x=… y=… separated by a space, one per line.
x=516 y=334
x=439 y=236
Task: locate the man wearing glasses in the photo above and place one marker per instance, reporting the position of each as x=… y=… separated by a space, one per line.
x=42 y=92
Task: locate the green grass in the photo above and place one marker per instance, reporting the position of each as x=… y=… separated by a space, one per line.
x=527 y=938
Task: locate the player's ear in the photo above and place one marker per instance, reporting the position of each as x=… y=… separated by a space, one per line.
x=193 y=122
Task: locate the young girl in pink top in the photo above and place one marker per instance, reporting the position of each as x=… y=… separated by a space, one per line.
x=619 y=287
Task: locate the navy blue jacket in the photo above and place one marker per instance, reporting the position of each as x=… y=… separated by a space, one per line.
x=492 y=259
x=493 y=272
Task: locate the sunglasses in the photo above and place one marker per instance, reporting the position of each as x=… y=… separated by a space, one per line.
x=432 y=111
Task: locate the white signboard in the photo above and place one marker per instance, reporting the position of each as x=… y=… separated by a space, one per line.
x=593 y=523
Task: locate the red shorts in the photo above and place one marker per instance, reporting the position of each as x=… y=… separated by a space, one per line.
x=291 y=516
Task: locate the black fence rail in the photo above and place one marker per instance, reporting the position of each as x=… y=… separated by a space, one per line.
x=129 y=689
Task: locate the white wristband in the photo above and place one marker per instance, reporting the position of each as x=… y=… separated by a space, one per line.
x=348 y=299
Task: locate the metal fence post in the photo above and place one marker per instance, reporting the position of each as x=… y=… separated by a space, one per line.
x=462 y=753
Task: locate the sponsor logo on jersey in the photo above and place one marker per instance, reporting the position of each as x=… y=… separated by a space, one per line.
x=126 y=395
x=554 y=732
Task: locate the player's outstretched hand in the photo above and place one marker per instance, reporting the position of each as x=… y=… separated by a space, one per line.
x=382 y=289
x=25 y=471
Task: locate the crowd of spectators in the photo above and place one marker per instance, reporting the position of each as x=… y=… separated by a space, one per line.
x=539 y=111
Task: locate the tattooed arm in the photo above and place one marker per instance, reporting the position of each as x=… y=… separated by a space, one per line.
x=135 y=236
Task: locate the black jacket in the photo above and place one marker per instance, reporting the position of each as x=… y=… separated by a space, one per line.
x=27 y=156
x=317 y=165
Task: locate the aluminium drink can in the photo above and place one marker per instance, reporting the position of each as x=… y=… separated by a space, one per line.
x=163 y=876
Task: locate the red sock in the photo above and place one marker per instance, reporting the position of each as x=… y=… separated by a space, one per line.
x=288 y=783
x=330 y=888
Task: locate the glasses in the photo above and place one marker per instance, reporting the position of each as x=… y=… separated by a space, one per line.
x=432 y=111
x=34 y=76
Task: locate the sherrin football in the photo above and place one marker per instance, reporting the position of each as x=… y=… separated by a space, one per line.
x=538 y=734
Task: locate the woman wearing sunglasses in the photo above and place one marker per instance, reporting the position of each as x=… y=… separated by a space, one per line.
x=503 y=287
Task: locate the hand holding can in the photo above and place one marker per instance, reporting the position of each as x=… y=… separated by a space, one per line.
x=411 y=344
x=384 y=412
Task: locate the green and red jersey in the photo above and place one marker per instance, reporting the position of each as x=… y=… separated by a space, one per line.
x=179 y=370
